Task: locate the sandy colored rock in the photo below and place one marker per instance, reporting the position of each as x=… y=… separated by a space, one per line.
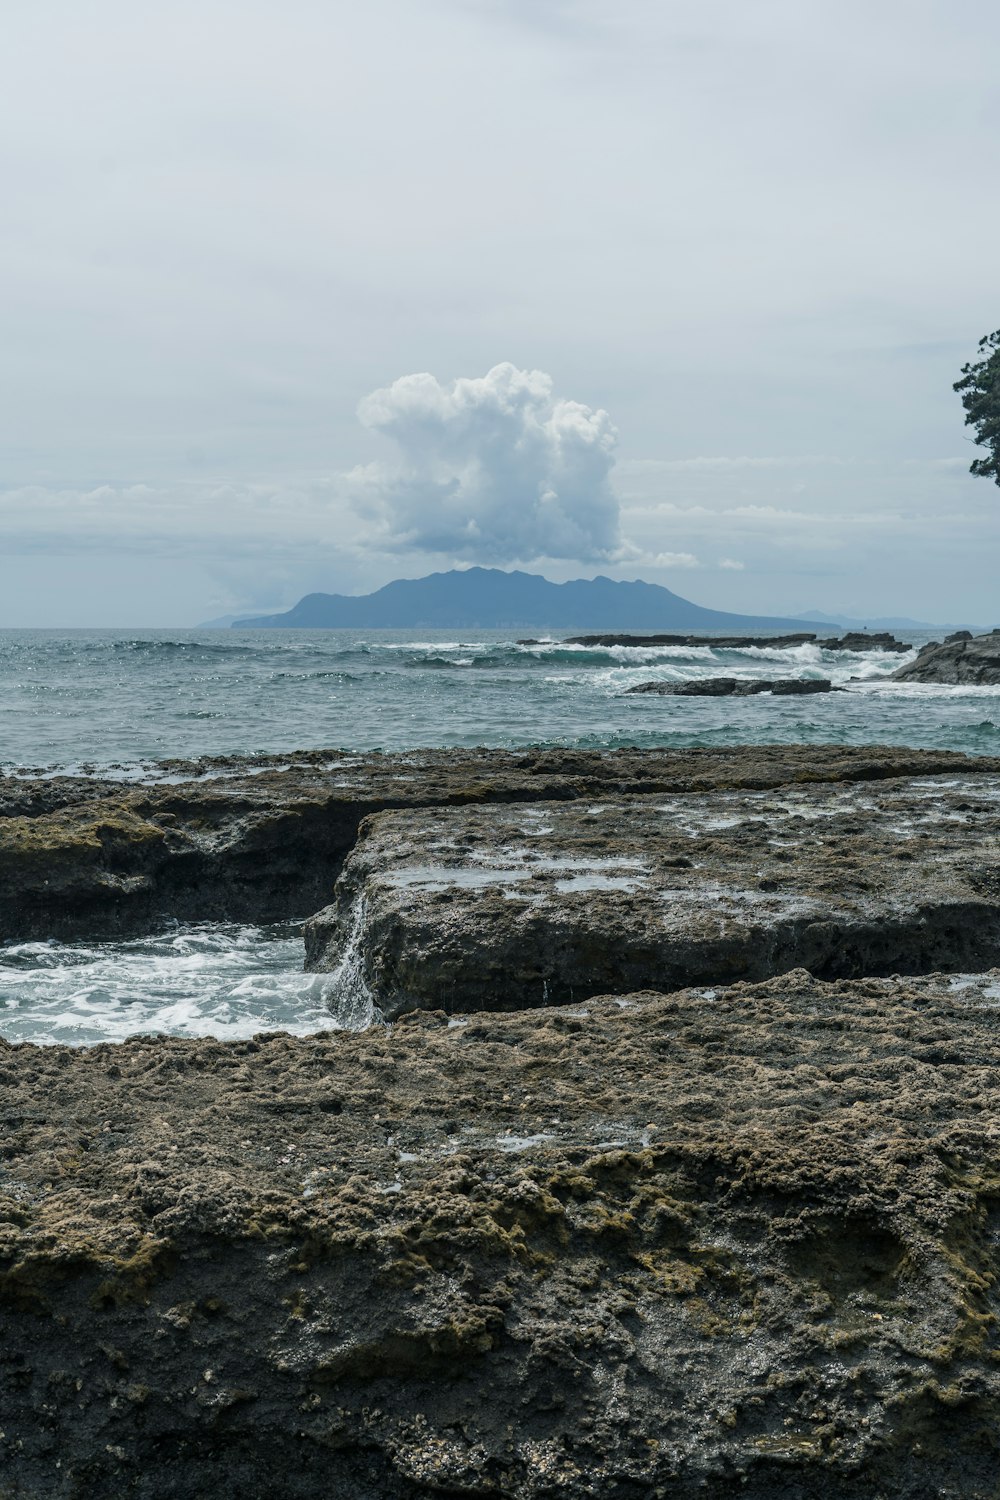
x=736 y=1242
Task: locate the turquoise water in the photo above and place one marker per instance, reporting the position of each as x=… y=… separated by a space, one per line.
x=101 y=698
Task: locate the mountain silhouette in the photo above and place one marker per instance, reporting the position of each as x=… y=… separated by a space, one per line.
x=490 y=599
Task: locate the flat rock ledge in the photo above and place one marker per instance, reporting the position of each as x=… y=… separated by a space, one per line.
x=263 y=839
x=973 y=660
x=736 y=687
x=502 y=908
x=715 y=1243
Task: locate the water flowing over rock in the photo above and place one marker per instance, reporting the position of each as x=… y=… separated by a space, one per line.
x=597 y=1216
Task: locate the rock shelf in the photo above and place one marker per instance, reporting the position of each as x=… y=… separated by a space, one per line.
x=854 y=640
x=263 y=840
x=737 y=1242
x=504 y=908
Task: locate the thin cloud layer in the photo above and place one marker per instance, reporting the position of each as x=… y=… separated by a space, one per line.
x=494 y=469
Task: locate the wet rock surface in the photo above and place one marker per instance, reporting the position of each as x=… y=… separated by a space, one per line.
x=262 y=839
x=735 y=1242
x=960 y=658
x=502 y=908
x=736 y=687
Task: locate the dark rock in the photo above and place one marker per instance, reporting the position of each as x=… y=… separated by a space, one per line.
x=961 y=658
x=502 y=908
x=791 y=686
x=734 y=1243
x=735 y=687
x=721 y=642
x=854 y=640
x=864 y=640
x=705 y=687
x=262 y=839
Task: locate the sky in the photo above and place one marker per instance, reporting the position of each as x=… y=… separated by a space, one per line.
x=317 y=295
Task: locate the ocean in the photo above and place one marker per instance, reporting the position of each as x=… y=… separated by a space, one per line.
x=95 y=702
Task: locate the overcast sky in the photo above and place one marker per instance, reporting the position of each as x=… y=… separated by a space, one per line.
x=319 y=294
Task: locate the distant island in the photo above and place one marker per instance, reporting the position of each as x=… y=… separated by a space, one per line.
x=490 y=599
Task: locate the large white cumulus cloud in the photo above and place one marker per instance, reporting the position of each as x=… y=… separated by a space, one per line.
x=495 y=469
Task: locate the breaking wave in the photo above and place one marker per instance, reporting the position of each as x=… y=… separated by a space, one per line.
x=119 y=702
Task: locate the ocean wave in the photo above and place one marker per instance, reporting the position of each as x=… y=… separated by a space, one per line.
x=172 y=648
x=432 y=646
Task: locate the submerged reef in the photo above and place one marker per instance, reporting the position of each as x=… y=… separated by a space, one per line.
x=675 y=1174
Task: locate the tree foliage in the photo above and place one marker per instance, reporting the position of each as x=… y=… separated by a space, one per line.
x=980 y=392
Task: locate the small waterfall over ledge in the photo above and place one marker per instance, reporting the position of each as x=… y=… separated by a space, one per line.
x=347 y=992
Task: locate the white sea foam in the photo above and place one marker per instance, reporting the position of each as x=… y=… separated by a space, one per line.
x=931 y=690
x=225 y=981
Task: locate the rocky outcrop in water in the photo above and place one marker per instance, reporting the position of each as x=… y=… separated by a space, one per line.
x=729 y=1243
x=854 y=640
x=506 y=908
x=960 y=658
x=263 y=839
x=736 y=687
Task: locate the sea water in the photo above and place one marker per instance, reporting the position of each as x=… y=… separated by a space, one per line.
x=117 y=701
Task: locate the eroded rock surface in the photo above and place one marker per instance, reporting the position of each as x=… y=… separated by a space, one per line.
x=960 y=658
x=740 y=1242
x=263 y=839
x=498 y=908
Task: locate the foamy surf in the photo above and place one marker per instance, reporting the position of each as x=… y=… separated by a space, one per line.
x=221 y=980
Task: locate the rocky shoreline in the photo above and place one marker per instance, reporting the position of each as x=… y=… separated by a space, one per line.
x=713 y=1225
x=509 y=908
